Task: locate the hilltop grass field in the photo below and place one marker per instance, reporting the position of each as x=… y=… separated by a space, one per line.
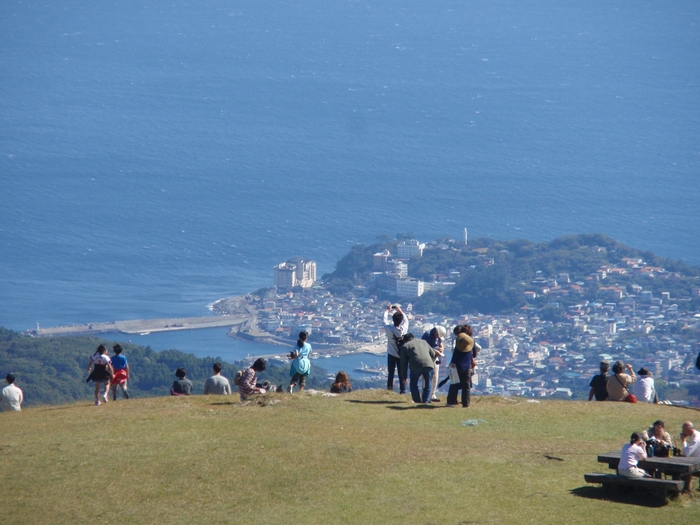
x=367 y=457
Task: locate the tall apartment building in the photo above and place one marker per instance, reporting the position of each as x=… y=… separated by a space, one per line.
x=407 y=249
x=295 y=272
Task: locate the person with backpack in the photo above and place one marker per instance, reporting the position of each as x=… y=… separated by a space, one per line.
x=246 y=380
x=100 y=372
x=395 y=326
x=301 y=366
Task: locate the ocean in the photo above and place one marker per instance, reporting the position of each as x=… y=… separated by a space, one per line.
x=157 y=156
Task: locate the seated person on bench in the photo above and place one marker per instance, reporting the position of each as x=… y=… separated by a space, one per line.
x=630 y=455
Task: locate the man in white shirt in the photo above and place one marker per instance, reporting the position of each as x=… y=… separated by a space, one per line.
x=217 y=384
x=396 y=326
x=643 y=388
x=691 y=440
x=12 y=396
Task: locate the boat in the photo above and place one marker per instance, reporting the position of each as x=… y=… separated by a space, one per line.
x=379 y=371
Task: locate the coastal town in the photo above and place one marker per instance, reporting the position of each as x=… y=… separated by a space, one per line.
x=524 y=353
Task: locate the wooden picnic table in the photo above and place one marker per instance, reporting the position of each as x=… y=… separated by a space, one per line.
x=677 y=467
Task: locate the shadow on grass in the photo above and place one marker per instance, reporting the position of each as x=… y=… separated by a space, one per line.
x=372 y=402
x=627 y=495
x=226 y=403
x=416 y=406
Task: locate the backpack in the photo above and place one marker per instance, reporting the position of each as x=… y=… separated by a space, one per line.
x=237 y=378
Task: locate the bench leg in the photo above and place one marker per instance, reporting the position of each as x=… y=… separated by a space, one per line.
x=688 y=482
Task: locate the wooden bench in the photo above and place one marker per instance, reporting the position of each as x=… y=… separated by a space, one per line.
x=663 y=485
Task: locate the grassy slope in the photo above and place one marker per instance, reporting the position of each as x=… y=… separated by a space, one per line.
x=368 y=457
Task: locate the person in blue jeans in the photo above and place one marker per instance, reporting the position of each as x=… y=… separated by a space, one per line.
x=419 y=359
x=462 y=360
x=395 y=326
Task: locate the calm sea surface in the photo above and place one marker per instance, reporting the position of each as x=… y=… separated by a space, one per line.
x=156 y=157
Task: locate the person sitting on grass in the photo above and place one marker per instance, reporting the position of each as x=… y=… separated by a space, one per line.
x=100 y=372
x=619 y=383
x=643 y=388
x=217 y=384
x=181 y=386
x=121 y=372
x=599 y=383
x=631 y=454
x=248 y=385
x=342 y=384
x=12 y=396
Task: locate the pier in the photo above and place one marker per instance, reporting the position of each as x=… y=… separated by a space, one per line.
x=145 y=326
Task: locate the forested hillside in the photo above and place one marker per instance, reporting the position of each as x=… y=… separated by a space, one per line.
x=491 y=276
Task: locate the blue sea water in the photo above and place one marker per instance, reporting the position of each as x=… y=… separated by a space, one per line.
x=156 y=156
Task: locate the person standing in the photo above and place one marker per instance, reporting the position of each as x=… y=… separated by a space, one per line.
x=599 y=383
x=301 y=365
x=395 y=326
x=12 y=396
x=122 y=372
x=435 y=338
x=419 y=358
x=462 y=358
x=217 y=384
x=100 y=372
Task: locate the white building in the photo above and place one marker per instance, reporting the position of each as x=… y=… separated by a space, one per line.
x=295 y=272
x=409 y=288
x=408 y=249
x=437 y=286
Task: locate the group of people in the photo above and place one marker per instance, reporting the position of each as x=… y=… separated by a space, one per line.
x=110 y=372
x=621 y=386
x=419 y=359
x=247 y=379
x=656 y=442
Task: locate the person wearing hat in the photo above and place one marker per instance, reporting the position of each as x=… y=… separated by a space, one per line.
x=435 y=338
x=643 y=388
x=12 y=396
x=462 y=360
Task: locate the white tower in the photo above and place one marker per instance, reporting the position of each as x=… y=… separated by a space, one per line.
x=465 y=236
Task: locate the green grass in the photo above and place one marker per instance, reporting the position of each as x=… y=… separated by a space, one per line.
x=368 y=457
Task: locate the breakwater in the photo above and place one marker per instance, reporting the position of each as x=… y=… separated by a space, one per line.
x=144 y=326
